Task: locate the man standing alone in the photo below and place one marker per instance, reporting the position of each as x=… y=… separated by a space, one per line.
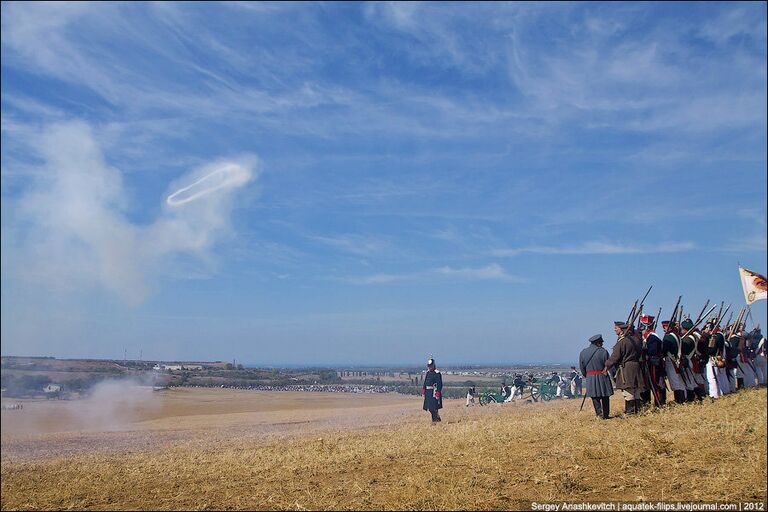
x=591 y=362
x=432 y=390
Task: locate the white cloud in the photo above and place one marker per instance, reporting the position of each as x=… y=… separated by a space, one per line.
x=491 y=272
x=597 y=247
x=76 y=228
x=355 y=244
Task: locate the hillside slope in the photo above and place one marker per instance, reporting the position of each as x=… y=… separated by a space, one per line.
x=489 y=458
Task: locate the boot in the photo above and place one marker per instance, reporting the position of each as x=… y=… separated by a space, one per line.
x=638 y=406
x=629 y=406
x=679 y=397
x=690 y=395
x=606 y=406
x=662 y=397
x=598 y=407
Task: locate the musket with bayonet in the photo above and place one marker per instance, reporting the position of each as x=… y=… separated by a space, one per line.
x=698 y=322
x=672 y=319
x=728 y=322
x=720 y=318
x=635 y=312
x=695 y=325
x=698 y=318
x=715 y=324
x=736 y=324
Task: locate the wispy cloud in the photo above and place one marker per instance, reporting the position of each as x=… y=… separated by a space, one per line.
x=597 y=248
x=354 y=244
x=491 y=272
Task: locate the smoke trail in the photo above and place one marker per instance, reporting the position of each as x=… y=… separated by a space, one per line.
x=72 y=229
x=229 y=175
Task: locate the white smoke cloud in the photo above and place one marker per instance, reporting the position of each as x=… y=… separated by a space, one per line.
x=73 y=229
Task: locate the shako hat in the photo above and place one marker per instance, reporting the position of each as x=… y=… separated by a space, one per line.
x=687 y=323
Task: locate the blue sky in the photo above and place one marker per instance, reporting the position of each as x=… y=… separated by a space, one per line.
x=484 y=183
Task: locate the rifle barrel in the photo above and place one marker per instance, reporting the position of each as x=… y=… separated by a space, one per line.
x=702 y=310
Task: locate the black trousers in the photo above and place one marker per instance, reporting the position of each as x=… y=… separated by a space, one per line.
x=602 y=406
x=435 y=415
x=659 y=400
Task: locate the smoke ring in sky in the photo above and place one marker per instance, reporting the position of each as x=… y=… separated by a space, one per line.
x=228 y=175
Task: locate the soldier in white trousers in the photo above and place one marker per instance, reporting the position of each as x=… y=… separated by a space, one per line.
x=669 y=348
x=715 y=370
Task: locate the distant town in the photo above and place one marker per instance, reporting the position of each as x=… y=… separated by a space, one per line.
x=52 y=378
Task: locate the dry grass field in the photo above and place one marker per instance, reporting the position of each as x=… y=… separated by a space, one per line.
x=384 y=454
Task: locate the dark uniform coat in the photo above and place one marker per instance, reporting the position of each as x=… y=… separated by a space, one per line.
x=688 y=345
x=716 y=345
x=732 y=351
x=592 y=359
x=626 y=354
x=654 y=352
x=669 y=345
x=433 y=381
x=702 y=351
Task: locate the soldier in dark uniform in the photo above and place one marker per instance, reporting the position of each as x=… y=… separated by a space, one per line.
x=702 y=356
x=731 y=360
x=432 y=390
x=670 y=350
x=687 y=360
x=592 y=363
x=629 y=376
x=716 y=371
x=746 y=368
x=654 y=360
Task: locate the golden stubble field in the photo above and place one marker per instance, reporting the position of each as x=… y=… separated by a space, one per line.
x=384 y=454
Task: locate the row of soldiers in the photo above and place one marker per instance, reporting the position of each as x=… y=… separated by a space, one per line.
x=689 y=361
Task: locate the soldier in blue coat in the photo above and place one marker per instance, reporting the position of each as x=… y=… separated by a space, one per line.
x=432 y=390
x=592 y=362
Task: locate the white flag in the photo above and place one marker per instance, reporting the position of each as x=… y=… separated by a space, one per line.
x=755 y=285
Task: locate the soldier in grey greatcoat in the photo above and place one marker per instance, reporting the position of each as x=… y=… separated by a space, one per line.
x=629 y=377
x=592 y=362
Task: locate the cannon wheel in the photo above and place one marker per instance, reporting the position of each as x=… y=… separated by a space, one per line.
x=547 y=396
x=487 y=399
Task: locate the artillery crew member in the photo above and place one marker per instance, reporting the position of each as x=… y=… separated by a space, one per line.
x=592 y=364
x=629 y=376
x=654 y=358
x=432 y=390
x=670 y=350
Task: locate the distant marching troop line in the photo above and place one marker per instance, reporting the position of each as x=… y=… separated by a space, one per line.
x=693 y=359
